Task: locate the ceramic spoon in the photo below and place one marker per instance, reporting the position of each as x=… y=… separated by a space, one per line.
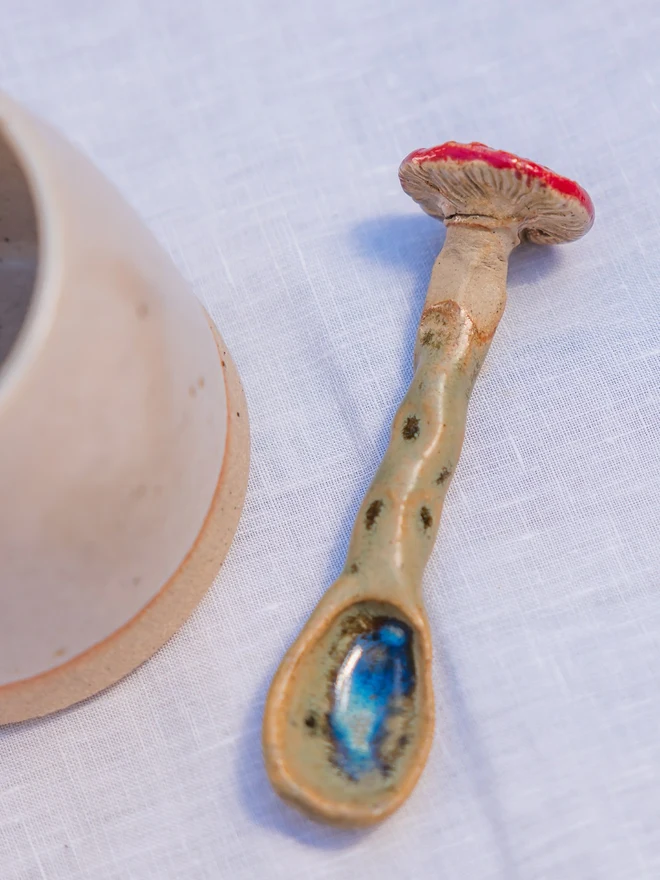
x=349 y=716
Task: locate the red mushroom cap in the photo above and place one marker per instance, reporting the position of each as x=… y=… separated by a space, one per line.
x=472 y=180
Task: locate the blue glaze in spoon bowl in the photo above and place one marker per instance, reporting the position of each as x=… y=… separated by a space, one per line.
x=372 y=684
x=350 y=714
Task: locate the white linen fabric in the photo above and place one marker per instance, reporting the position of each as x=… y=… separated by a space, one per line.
x=260 y=141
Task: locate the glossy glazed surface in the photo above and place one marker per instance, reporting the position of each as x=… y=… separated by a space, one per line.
x=371 y=686
x=348 y=733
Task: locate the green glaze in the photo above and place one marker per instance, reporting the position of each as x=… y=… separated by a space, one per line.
x=399 y=518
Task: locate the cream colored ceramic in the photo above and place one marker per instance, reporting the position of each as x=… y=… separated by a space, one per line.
x=123 y=431
x=349 y=717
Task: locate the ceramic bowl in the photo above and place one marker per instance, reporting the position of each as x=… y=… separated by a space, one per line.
x=123 y=431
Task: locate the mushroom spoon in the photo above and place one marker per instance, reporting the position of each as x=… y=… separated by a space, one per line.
x=349 y=716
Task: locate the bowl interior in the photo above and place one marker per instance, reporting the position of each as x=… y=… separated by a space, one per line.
x=18 y=248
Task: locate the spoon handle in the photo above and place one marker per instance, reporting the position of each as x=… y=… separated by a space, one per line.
x=349 y=716
x=399 y=517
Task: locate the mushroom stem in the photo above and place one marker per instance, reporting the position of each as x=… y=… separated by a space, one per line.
x=398 y=520
x=471 y=270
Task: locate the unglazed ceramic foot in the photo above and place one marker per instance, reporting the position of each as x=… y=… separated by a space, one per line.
x=349 y=717
x=140 y=638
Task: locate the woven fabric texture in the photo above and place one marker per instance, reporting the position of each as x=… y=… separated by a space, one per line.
x=260 y=141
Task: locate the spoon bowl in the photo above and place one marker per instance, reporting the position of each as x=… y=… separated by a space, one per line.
x=350 y=713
